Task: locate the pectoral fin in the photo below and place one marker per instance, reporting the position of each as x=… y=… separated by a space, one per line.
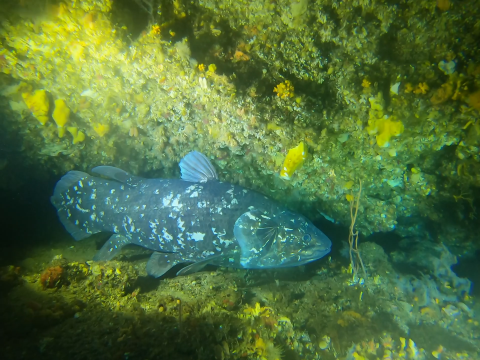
x=159 y=263
x=111 y=248
x=199 y=265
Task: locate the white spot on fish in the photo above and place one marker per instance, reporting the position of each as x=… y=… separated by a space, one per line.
x=82 y=209
x=190 y=189
x=254 y=250
x=220 y=235
x=141 y=216
x=176 y=204
x=197 y=236
x=234 y=201
x=180 y=224
x=115 y=229
x=93 y=216
x=112 y=191
x=251 y=217
x=194 y=194
x=167 y=199
x=156 y=192
x=144 y=207
x=80 y=183
x=93 y=207
x=79 y=201
x=75 y=188
x=166 y=235
x=76 y=222
x=202 y=204
x=207 y=253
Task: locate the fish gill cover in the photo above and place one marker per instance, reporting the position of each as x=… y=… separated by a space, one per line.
x=385 y=94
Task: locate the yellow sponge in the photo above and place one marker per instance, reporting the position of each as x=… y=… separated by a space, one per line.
x=101 y=129
x=294 y=159
x=78 y=136
x=38 y=104
x=61 y=115
x=385 y=129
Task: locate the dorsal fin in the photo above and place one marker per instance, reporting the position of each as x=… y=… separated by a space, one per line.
x=117 y=174
x=196 y=167
x=112 y=172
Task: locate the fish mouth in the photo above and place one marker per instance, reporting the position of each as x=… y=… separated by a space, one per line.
x=315 y=252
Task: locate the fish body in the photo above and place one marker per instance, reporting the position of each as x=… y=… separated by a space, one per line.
x=196 y=219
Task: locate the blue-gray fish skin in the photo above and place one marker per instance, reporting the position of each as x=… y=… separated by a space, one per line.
x=196 y=219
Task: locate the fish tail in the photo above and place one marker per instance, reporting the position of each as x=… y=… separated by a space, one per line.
x=65 y=203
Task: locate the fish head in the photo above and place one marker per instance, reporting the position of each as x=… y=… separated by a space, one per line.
x=280 y=239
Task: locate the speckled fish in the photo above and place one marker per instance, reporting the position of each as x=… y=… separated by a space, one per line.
x=196 y=219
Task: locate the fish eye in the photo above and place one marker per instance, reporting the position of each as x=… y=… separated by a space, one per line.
x=307 y=237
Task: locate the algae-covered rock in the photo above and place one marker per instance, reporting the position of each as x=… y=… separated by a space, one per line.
x=249 y=80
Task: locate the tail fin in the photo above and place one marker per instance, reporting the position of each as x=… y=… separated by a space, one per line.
x=61 y=203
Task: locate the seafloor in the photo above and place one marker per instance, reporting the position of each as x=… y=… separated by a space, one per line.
x=382 y=95
x=56 y=304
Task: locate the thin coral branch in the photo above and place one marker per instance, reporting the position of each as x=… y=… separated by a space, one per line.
x=356 y=261
x=149 y=7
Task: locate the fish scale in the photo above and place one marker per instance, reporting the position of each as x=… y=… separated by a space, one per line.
x=196 y=219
